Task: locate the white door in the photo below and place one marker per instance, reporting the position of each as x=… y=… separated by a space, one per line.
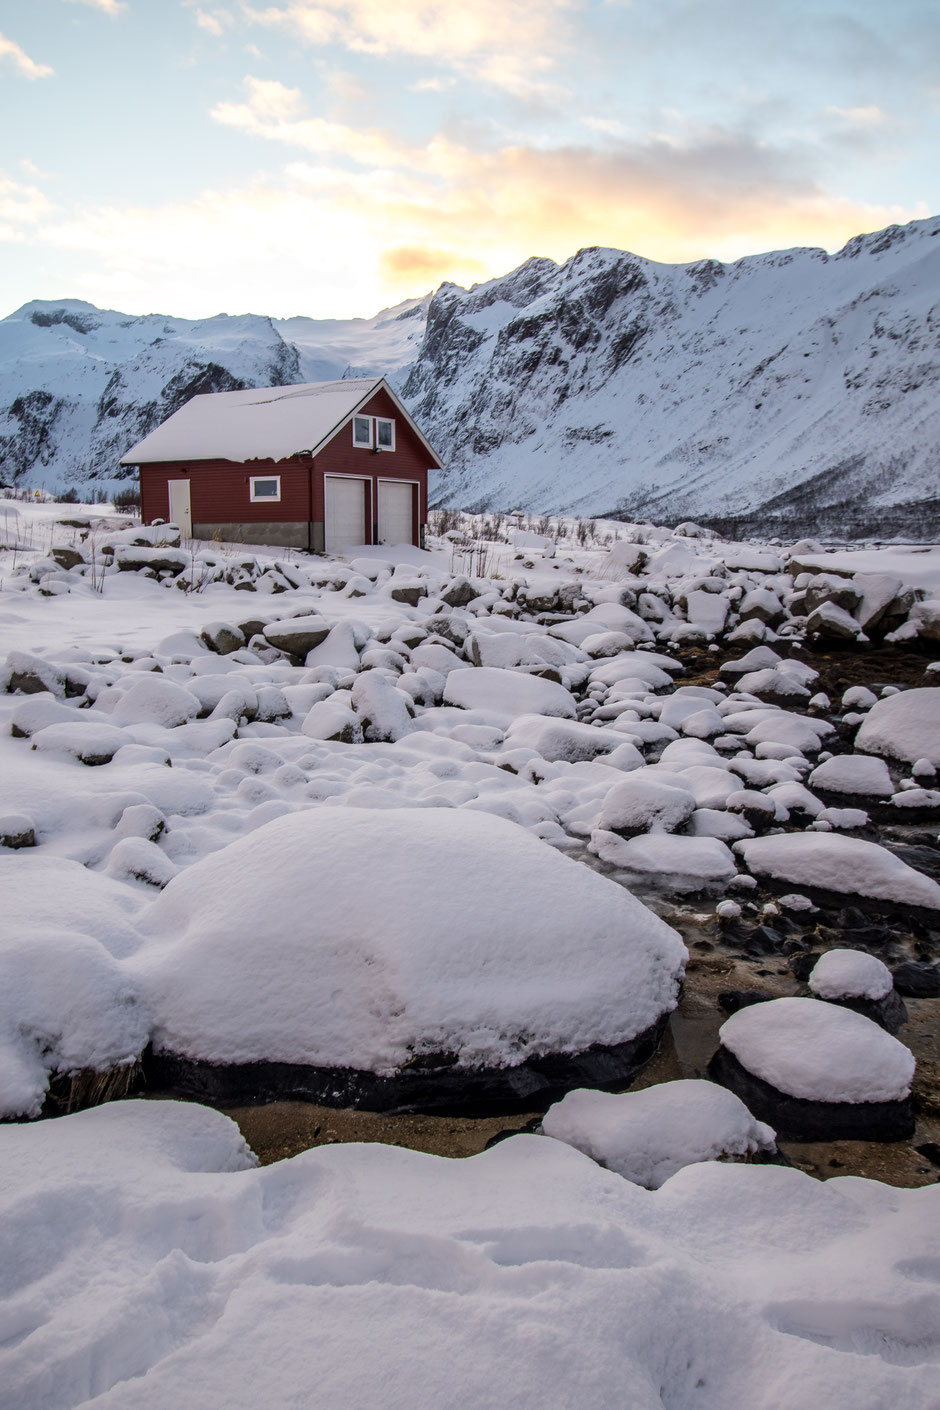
x=395 y=520
x=180 y=509
x=344 y=512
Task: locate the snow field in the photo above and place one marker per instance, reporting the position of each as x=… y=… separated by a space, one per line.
x=150 y=1265
x=155 y=731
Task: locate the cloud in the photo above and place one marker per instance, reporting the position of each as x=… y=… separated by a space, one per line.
x=110 y=7
x=215 y=21
x=278 y=113
x=672 y=197
x=416 y=267
x=868 y=117
x=9 y=49
x=22 y=210
x=506 y=44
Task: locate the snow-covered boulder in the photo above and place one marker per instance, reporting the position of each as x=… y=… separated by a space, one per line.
x=904 y=726
x=397 y=942
x=506 y=694
x=562 y=740
x=846 y=865
x=861 y=982
x=817 y=1071
x=642 y=803
x=647 y=1136
x=856 y=775
x=665 y=861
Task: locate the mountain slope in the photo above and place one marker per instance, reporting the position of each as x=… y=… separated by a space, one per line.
x=774 y=386
x=79 y=385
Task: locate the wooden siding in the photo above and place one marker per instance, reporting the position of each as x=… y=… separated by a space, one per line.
x=220 y=490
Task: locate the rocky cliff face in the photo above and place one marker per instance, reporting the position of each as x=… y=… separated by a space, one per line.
x=794 y=391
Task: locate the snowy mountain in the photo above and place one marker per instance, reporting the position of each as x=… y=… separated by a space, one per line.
x=794 y=387
x=795 y=390
x=79 y=385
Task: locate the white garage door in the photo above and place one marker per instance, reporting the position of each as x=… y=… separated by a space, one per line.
x=395 y=524
x=344 y=510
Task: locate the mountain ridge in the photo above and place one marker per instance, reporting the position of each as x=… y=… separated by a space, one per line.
x=790 y=386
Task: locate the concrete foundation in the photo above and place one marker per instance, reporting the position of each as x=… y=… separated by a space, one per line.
x=292 y=534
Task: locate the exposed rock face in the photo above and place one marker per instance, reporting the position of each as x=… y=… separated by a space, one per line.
x=784 y=387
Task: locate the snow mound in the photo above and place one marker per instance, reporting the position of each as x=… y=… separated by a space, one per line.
x=65 y=1002
x=819 y=1052
x=848 y=865
x=904 y=726
x=361 y=939
x=850 y=974
x=647 y=1136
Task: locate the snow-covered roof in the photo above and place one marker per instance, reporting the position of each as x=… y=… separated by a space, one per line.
x=261 y=423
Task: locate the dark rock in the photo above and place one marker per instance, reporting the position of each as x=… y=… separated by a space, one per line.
x=222 y=637
x=66 y=557
x=733 y=999
x=16 y=831
x=459 y=593
x=802 y=965
x=764 y=941
x=425 y=1085
x=917 y=981
x=796 y=1119
x=931 y=1150
x=409 y=593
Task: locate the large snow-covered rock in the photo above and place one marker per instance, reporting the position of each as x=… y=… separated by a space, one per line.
x=362 y=939
x=647 y=1136
x=507 y=694
x=819 y=1052
x=848 y=865
x=904 y=726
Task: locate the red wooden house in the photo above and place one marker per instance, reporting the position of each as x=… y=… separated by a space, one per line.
x=321 y=466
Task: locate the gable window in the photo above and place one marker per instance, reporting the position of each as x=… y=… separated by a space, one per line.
x=384 y=433
x=264 y=487
x=362 y=432
x=373 y=432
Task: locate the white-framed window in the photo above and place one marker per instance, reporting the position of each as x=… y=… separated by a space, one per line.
x=362 y=432
x=264 y=487
x=373 y=432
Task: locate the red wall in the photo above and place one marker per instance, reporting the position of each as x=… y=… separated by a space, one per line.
x=220 y=489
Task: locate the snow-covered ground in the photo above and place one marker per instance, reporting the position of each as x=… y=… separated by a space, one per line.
x=375 y=812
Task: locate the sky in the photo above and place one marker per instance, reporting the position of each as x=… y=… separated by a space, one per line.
x=334 y=157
